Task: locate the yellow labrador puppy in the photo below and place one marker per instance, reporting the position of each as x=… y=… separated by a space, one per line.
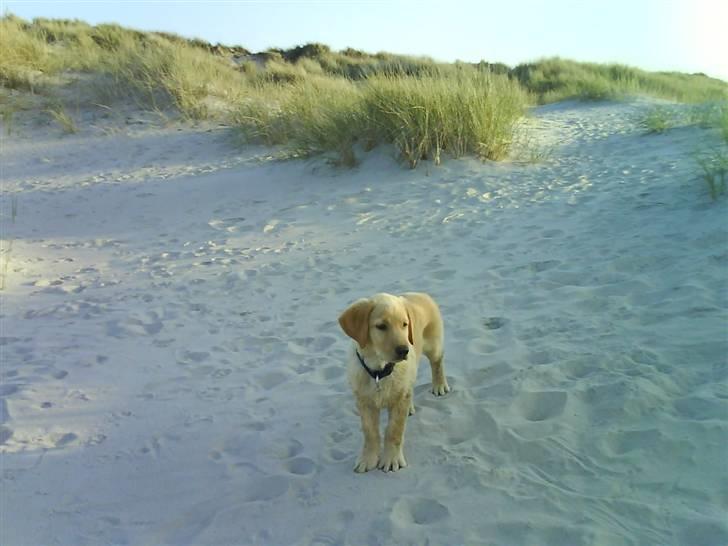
x=391 y=333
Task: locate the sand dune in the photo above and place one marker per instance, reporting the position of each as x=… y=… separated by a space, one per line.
x=173 y=373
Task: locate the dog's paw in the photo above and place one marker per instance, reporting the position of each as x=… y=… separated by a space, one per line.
x=366 y=462
x=412 y=409
x=441 y=389
x=392 y=460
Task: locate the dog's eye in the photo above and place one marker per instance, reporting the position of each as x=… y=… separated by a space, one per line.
x=381 y=327
x=405 y=325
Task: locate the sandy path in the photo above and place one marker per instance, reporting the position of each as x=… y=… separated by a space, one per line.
x=173 y=372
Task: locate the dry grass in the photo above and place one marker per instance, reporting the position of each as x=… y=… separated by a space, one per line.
x=557 y=79
x=310 y=98
x=64 y=119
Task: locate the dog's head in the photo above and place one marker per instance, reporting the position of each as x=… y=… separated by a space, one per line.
x=381 y=321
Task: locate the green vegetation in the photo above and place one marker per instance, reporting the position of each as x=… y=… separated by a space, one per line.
x=723 y=122
x=708 y=115
x=6 y=245
x=7 y=114
x=714 y=166
x=658 y=119
x=558 y=79
x=471 y=112
x=60 y=116
x=713 y=162
x=157 y=70
x=424 y=117
x=309 y=98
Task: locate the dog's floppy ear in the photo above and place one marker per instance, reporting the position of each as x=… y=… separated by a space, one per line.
x=410 y=337
x=355 y=321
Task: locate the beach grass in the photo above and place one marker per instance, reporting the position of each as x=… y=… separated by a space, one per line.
x=59 y=114
x=713 y=160
x=6 y=245
x=157 y=71
x=722 y=117
x=658 y=120
x=7 y=114
x=556 y=79
x=713 y=164
x=423 y=117
x=711 y=157
x=470 y=113
x=312 y=99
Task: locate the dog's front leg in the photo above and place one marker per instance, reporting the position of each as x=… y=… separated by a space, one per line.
x=369 y=457
x=393 y=455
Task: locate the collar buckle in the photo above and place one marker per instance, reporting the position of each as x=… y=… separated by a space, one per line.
x=379 y=374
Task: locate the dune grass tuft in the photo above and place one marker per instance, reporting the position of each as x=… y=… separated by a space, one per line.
x=64 y=119
x=713 y=160
x=471 y=113
x=424 y=117
x=156 y=70
x=557 y=79
x=714 y=167
x=658 y=119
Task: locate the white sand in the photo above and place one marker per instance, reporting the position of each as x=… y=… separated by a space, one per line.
x=173 y=373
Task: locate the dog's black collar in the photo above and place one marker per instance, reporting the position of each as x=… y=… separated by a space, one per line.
x=378 y=374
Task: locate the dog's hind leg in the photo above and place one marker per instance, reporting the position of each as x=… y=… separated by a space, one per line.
x=439 y=381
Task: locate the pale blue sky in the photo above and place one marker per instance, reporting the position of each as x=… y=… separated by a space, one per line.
x=685 y=35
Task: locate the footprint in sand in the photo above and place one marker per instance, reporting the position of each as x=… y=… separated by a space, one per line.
x=495 y=323
x=146 y=324
x=538 y=267
x=703 y=532
x=5 y=434
x=270 y=380
x=331 y=373
x=338 y=445
x=493 y=382
x=221 y=373
x=545 y=357
x=579 y=367
x=62 y=439
x=291 y=449
x=186 y=358
x=460 y=428
x=442 y=274
x=418 y=511
x=481 y=347
x=8 y=389
x=266 y=488
x=230 y=225
x=300 y=466
x=623 y=442
x=701 y=409
x=489 y=374
x=59 y=374
x=310 y=345
x=337 y=455
x=539 y=406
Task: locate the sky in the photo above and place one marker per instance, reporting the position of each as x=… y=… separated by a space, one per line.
x=683 y=35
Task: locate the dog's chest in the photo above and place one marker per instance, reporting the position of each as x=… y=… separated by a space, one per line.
x=382 y=393
x=387 y=391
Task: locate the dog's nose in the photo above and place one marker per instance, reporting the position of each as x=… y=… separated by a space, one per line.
x=402 y=351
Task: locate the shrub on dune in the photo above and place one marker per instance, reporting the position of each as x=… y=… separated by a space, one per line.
x=423 y=117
